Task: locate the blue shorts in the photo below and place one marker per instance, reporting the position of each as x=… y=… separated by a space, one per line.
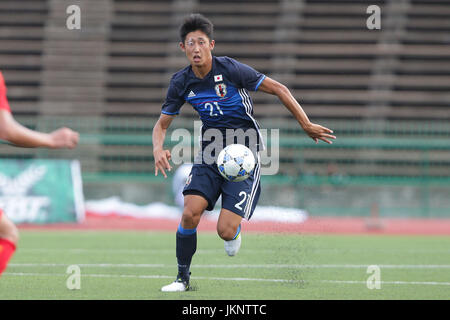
x=239 y=197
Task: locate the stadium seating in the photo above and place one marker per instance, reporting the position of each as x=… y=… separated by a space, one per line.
x=384 y=92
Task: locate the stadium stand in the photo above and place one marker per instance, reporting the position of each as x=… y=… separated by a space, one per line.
x=385 y=93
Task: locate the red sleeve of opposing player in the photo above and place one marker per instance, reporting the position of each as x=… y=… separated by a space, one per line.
x=3 y=100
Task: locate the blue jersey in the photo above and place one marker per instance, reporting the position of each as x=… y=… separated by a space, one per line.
x=221 y=98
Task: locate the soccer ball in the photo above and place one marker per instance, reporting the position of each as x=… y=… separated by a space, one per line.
x=236 y=162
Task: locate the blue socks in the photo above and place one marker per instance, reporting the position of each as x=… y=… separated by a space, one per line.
x=237 y=232
x=186 y=231
x=186 y=245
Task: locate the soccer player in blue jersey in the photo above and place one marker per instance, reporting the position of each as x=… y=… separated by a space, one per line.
x=217 y=88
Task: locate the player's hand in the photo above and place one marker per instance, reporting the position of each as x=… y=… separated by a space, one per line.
x=318 y=132
x=162 y=158
x=64 y=138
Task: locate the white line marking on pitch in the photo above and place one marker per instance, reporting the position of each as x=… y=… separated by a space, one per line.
x=211 y=251
x=235 y=266
x=431 y=283
x=150 y=277
x=127 y=251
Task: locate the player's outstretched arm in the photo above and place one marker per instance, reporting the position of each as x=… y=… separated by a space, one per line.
x=14 y=132
x=315 y=131
x=161 y=156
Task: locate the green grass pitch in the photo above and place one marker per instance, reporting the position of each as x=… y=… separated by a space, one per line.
x=134 y=265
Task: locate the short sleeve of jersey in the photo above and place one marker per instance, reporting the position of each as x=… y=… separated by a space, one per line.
x=4 y=105
x=173 y=101
x=246 y=76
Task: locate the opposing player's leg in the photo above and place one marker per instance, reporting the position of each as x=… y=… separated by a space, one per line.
x=229 y=229
x=9 y=235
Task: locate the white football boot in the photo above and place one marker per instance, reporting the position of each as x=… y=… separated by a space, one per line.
x=176 y=286
x=232 y=246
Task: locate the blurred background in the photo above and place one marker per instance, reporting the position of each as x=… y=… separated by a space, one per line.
x=385 y=93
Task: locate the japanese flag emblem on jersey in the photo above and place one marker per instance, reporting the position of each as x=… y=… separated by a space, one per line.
x=218 y=78
x=221 y=90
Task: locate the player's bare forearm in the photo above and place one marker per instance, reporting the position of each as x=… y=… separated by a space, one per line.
x=158 y=137
x=159 y=131
x=315 y=131
x=161 y=156
x=282 y=92
x=21 y=136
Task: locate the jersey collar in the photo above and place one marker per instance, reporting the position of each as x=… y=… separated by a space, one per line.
x=213 y=67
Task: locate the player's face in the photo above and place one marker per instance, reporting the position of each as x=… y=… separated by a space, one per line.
x=197 y=47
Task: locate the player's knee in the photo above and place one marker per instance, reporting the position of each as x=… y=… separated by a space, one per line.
x=10 y=233
x=225 y=232
x=190 y=218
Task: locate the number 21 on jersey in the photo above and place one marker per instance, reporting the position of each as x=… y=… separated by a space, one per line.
x=214 y=110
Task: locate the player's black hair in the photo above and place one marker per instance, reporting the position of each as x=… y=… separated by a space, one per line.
x=195 y=22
